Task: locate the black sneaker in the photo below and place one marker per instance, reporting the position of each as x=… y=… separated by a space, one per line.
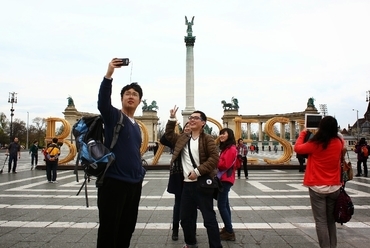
x=175 y=235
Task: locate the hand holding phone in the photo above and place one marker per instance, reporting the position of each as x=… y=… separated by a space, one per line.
x=125 y=62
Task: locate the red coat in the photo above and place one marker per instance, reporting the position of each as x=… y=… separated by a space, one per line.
x=323 y=166
x=226 y=161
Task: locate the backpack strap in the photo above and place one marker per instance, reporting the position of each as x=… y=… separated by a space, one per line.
x=111 y=159
x=191 y=156
x=50 y=150
x=117 y=129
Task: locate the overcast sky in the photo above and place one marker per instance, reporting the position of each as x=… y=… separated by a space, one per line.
x=270 y=55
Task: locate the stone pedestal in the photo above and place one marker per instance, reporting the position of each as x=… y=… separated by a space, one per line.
x=311 y=110
x=229 y=118
x=71 y=115
x=150 y=120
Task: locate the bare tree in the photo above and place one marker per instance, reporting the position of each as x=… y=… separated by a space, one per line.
x=38 y=130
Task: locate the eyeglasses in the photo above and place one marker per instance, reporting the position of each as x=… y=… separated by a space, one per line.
x=195 y=118
x=133 y=94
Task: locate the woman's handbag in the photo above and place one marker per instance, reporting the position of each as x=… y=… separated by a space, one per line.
x=344 y=208
x=347 y=173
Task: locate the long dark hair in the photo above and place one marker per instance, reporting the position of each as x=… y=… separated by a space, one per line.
x=230 y=140
x=328 y=129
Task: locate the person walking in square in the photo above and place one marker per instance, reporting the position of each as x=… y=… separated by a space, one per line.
x=34 y=149
x=201 y=148
x=301 y=161
x=242 y=156
x=227 y=165
x=361 y=157
x=14 y=151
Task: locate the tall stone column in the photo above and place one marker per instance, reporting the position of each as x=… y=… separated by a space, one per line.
x=260 y=134
x=189 y=41
x=248 y=130
x=282 y=130
x=292 y=131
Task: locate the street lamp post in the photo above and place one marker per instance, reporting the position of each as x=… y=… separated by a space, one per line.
x=28 y=115
x=12 y=99
x=358 y=125
x=323 y=109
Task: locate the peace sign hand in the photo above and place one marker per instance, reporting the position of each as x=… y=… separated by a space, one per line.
x=173 y=112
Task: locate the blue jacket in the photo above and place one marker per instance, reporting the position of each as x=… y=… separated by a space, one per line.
x=127 y=166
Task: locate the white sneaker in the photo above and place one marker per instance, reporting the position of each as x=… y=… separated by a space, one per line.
x=54 y=181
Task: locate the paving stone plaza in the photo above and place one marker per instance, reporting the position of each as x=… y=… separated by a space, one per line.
x=270 y=209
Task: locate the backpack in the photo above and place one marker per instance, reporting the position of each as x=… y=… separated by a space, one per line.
x=92 y=154
x=344 y=208
x=364 y=151
x=51 y=153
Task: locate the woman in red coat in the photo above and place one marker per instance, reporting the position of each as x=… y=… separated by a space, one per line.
x=322 y=177
x=226 y=166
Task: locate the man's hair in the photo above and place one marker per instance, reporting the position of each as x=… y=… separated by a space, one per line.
x=55 y=140
x=135 y=86
x=240 y=139
x=35 y=141
x=202 y=115
x=362 y=141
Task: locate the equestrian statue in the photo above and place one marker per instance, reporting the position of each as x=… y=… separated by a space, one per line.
x=151 y=107
x=230 y=106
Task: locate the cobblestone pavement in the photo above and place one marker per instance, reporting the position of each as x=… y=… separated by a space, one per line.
x=270 y=209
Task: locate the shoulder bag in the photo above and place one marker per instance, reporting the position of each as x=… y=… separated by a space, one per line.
x=206 y=183
x=344 y=208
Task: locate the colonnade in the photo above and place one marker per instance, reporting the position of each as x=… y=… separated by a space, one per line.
x=232 y=120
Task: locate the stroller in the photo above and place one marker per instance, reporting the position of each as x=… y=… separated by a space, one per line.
x=6 y=158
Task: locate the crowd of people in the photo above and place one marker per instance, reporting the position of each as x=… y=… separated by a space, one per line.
x=50 y=154
x=195 y=155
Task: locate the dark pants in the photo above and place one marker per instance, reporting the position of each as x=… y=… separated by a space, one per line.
x=191 y=199
x=12 y=158
x=34 y=158
x=301 y=164
x=359 y=170
x=176 y=212
x=51 y=168
x=118 y=204
x=245 y=168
